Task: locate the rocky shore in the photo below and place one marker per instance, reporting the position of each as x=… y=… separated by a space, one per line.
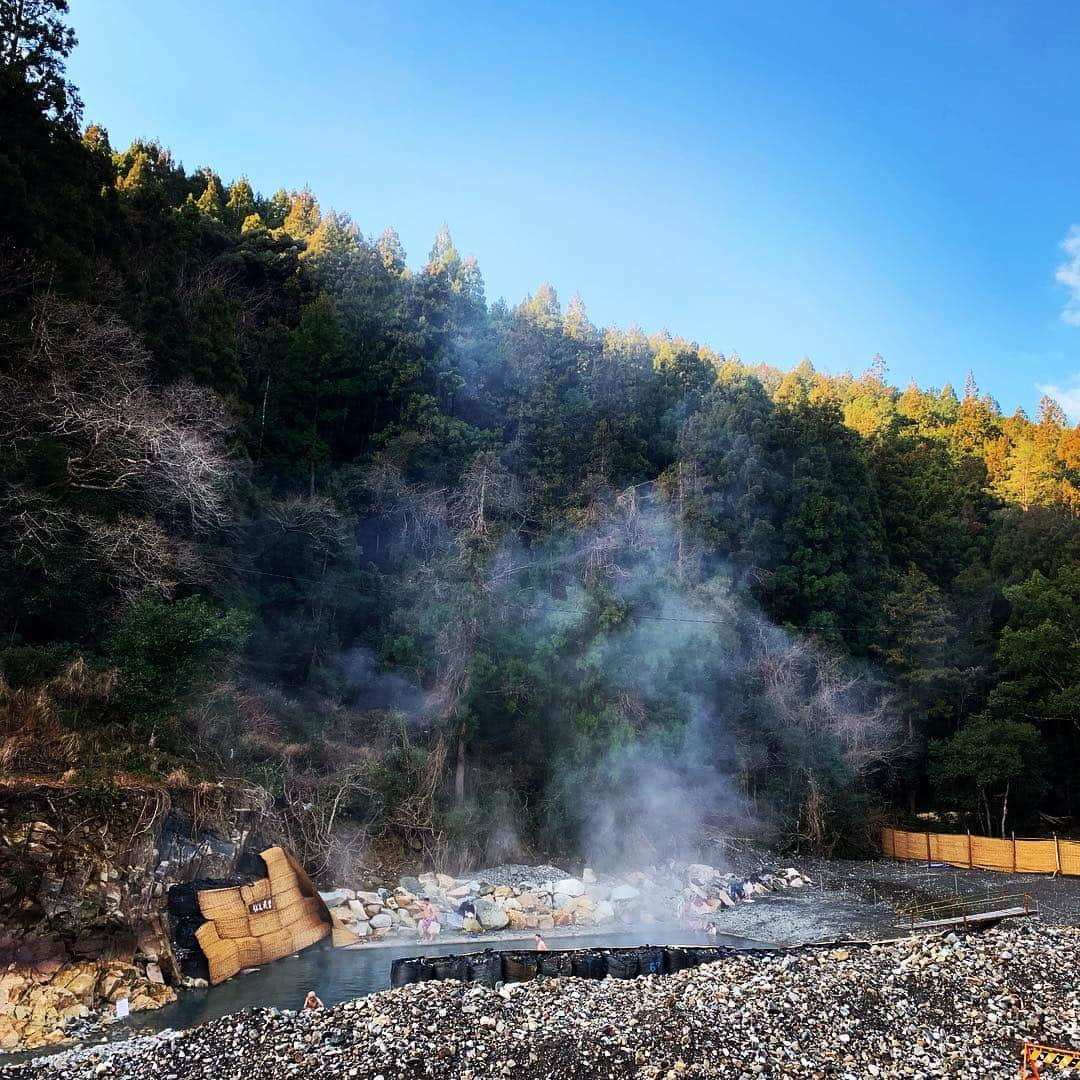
x=923 y=1007
x=520 y=898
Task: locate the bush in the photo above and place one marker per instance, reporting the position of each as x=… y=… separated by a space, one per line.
x=166 y=651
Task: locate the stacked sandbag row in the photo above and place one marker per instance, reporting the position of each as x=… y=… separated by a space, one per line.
x=521 y=965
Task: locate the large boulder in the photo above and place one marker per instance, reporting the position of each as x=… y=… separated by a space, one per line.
x=337 y=897
x=490 y=915
x=569 y=887
x=383 y=921
x=603 y=912
x=624 y=892
x=412 y=885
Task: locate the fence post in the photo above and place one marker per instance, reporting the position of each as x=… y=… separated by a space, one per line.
x=929 y=861
x=971 y=863
x=1057 y=854
x=1014 y=852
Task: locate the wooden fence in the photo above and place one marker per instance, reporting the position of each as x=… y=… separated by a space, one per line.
x=1052 y=856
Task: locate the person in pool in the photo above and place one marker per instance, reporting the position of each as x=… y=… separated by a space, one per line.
x=312 y=1001
x=541 y=944
x=427 y=922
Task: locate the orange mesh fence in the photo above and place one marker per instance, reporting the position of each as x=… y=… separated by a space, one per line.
x=984 y=852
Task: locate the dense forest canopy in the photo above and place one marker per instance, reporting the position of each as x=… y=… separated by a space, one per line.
x=276 y=505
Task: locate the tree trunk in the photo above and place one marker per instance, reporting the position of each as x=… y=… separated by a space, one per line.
x=1004 y=808
x=459 y=770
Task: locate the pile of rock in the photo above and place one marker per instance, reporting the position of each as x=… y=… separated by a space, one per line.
x=520 y=898
x=47 y=1003
x=932 y=1007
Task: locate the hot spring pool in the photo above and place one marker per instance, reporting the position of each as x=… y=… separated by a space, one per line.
x=339 y=974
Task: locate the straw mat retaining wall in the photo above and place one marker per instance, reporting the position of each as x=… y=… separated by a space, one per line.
x=1052 y=856
x=253 y=924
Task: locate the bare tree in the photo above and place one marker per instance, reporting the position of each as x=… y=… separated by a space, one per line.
x=81 y=379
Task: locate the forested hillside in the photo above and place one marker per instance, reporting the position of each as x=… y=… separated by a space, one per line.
x=466 y=575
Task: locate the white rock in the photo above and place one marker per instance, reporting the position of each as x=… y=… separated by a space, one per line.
x=569 y=887
x=337 y=897
x=624 y=892
x=382 y=921
x=603 y=912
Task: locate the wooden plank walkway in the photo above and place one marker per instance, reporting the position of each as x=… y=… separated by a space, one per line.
x=978 y=918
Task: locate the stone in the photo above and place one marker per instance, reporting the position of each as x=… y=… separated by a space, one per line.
x=382 y=921
x=545 y=922
x=471 y=925
x=517 y=920
x=451 y=920
x=624 y=892
x=373 y=909
x=411 y=885
x=603 y=912
x=529 y=901
x=588 y=876
x=445 y=881
x=490 y=915
x=565 y=917
x=153 y=973
x=358 y=910
x=569 y=887
x=702 y=873
x=337 y=897
x=366 y=898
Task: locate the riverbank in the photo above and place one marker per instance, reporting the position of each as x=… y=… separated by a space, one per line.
x=923 y=1007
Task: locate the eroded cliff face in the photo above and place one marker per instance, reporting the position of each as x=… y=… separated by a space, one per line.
x=83 y=878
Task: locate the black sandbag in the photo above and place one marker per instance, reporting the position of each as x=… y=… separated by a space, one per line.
x=518 y=966
x=676 y=959
x=409 y=969
x=708 y=954
x=622 y=963
x=485 y=968
x=588 y=964
x=448 y=967
x=554 y=963
x=650 y=960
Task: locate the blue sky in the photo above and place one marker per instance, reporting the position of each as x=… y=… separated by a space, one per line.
x=829 y=179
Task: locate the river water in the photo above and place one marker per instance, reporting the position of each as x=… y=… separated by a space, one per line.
x=339 y=974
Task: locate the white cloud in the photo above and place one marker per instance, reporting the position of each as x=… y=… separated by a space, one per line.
x=1067 y=396
x=1068 y=273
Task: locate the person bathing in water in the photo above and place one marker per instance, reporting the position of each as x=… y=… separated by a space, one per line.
x=427 y=922
x=541 y=944
x=312 y=1001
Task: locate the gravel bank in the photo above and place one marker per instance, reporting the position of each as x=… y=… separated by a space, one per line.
x=884 y=884
x=921 y=1008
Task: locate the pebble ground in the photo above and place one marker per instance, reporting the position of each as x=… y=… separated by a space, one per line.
x=926 y=1007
